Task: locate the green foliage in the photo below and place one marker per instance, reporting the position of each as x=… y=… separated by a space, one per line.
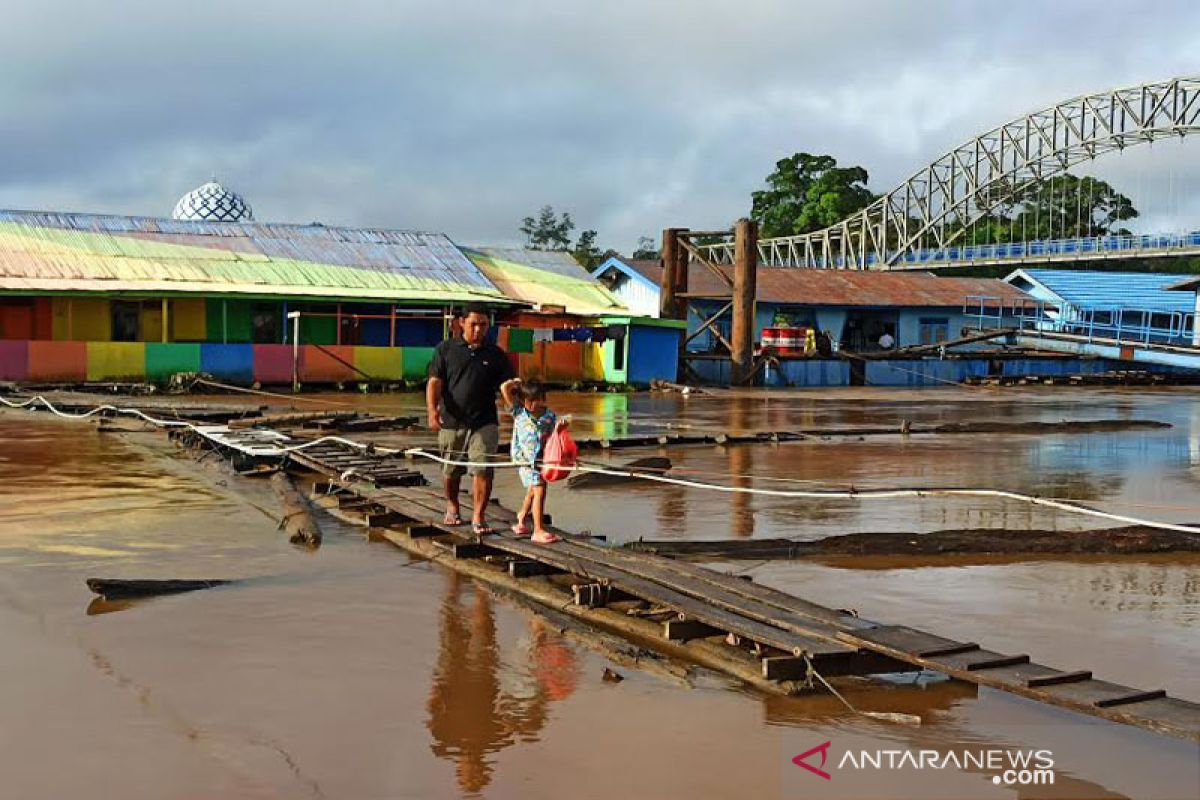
x=1065 y=206
x=806 y=193
x=586 y=252
x=548 y=231
x=646 y=249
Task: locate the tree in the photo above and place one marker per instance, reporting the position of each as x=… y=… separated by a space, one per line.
x=645 y=250
x=586 y=252
x=548 y=231
x=1064 y=207
x=806 y=193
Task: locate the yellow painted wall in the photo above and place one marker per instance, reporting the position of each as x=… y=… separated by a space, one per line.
x=188 y=320
x=108 y=361
x=81 y=319
x=593 y=362
x=381 y=363
x=151 y=321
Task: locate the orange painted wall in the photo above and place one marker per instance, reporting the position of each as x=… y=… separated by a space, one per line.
x=318 y=366
x=58 y=361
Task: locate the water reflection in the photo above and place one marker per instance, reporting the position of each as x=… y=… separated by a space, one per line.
x=471 y=716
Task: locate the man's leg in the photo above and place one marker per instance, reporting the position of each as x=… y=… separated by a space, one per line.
x=481 y=447
x=452 y=445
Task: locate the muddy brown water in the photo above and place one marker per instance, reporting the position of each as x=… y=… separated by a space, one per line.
x=353 y=672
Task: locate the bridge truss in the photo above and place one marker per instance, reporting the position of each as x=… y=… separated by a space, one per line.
x=933 y=208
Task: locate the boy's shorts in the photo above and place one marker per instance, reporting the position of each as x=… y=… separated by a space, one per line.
x=531 y=477
x=464 y=444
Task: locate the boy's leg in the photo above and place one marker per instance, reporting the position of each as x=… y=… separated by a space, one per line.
x=539 y=506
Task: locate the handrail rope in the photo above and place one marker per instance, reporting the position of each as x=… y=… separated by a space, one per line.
x=864 y=494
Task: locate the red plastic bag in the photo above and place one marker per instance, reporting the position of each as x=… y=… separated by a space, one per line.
x=560 y=452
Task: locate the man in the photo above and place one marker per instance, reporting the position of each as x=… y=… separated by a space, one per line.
x=464 y=377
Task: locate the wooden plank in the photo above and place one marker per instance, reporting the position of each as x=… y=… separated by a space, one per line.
x=950 y=650
x=995 y=663
x=1060 y=678
x=1133 y=697
x=527 y=568
x=684 y=630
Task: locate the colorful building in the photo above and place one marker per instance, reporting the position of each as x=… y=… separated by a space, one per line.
x=87 y=297
x=576 y=330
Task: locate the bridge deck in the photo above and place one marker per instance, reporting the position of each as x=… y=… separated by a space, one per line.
x=758 y=634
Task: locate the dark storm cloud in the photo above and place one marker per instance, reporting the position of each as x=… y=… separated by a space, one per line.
x=465 y=116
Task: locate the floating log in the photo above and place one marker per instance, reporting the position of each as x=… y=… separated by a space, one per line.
x=291 y=418
x=653 y=465
x=984 y=541
x=123 y=588
x=297 y=519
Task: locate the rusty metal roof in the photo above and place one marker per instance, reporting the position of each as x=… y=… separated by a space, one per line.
x=839 y=287
x=46 y=251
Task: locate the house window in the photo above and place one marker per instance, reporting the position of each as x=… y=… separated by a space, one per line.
x=264 y=323
x=126 y=321
x=934 y=329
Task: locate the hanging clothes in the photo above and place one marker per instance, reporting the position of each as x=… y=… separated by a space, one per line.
x=520 y=340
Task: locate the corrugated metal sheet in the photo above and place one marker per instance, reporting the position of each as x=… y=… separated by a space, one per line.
x=848 y=288
x=579 y=294
x=65 y=252
x=1085 y=289
x=554 y=261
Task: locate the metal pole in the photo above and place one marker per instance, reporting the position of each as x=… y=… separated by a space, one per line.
x=294 y=316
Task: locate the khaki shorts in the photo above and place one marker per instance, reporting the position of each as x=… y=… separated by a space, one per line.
x=464 y=444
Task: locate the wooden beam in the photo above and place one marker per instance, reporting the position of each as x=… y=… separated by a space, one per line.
x=525 y=568
x=674 y=261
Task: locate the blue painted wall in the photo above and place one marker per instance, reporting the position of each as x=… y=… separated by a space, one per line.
x=653 y=354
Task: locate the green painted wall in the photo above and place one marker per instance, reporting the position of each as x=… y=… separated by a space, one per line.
x=230 y=326
x=416 y=362
x=164 y=360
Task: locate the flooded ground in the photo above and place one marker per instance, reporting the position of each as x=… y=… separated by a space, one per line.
x=353 y=672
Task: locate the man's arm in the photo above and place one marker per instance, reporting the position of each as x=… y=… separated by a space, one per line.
x=433 y=399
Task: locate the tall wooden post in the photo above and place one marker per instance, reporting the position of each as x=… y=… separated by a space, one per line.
x=745 y=289
x=674 y=260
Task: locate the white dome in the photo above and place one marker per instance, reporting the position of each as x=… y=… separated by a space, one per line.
x=214 y=203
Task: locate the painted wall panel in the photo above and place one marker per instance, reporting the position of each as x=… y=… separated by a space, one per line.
x=230 y=362
x=653 y=354
x=43 y=319
x=322 y=364
x=593 y=362
x=564 y=362
x=17 y=319
x=273 y=363
x=58 y=361
x=81 y=319
x=416 y=362
x=188 y=319
x=152 y=321
x=14 y=360
x=613 y=374
x=164 y=360
x=109 y=361
x=381 y=363
x=533 y=365
x=227 y=321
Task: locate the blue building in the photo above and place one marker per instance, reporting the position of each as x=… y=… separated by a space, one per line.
x=854 y=308
x=1121 y=305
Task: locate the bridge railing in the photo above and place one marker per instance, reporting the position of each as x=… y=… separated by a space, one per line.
x=789 y=252
x=1121 y=323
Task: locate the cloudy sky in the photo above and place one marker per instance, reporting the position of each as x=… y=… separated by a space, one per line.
x=463 y=116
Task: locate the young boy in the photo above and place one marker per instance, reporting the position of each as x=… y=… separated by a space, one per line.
x=532 y=424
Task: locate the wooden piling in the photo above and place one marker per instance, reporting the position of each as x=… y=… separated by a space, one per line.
x=745 y=288
x=674 y=260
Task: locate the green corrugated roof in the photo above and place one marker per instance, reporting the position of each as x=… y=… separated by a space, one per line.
x=579 y=294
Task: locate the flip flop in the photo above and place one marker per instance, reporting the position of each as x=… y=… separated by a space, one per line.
x=452 y=519
x=521 y=529
x=549 y=538
x=482 y=529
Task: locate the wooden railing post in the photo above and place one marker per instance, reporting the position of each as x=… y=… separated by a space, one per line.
x=745 y=288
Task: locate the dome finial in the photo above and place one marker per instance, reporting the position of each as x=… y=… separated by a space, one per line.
x=213 y=202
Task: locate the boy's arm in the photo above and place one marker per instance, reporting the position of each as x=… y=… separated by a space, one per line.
x=508 y=391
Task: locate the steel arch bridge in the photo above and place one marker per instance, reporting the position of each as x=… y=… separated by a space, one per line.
x=932 y=209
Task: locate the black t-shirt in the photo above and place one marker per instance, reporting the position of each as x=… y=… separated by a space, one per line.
x=472 y=378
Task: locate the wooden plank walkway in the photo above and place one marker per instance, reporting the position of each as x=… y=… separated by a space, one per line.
x=761 y=635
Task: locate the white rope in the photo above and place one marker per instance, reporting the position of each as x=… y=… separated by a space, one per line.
x=205 y=431
x=834 y=494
